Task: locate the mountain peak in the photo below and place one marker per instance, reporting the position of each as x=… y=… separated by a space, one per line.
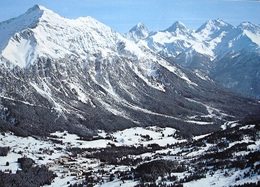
x=217 y=22
x=39 y=12
x=215 y=25
x=39 y=8
x=139 y=31
x=177 y=26
x=36 y=10
x=27 y=20
x=250 y=27
x=36 y=7
x=42 y=33
x=30 y=18
x=139 y=27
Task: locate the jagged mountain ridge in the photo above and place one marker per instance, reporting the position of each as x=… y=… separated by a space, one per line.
x=79 y=75
x=217 y=48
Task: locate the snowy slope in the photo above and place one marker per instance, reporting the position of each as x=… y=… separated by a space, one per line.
x=225 y=158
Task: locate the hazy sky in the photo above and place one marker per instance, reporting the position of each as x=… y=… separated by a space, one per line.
x=122 y=15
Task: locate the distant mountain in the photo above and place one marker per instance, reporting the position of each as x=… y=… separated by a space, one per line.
x=138 y=32
x=80 y=75
x=217 y=48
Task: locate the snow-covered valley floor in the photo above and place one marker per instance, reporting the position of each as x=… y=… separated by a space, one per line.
x=141 y=156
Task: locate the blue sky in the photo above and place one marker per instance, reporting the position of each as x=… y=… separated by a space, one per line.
x=122 y=15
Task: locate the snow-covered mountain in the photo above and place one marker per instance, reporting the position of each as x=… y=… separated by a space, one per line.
x=42 y=33
x=217 y=48
x=138 y=32
x=81 y=75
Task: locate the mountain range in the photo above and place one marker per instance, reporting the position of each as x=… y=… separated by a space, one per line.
x=80 y=75
x=229 y=54
x=83 y=105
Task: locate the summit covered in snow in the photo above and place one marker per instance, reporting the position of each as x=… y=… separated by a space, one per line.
x=42 y=33
x=138 y=32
